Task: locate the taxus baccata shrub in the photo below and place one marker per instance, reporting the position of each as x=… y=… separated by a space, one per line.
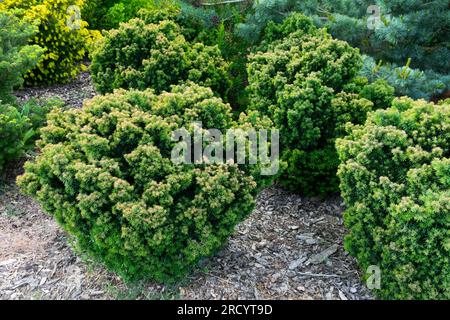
x=105 y=173
x=140 y=55
x=62 y=35
x=395 y=179
x=306 y=82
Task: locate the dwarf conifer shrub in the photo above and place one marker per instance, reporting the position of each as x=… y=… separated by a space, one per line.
x=20 y=126
x=62 y=34
x=140 y=55
x=19 y=123
x=16 y=56
x=395 y=179
x=106 y=174
x=14 y=133
x=306 y=82
x=404 y=42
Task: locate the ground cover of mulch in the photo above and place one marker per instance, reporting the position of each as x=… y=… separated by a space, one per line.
x=290 y=247
x=73 y=93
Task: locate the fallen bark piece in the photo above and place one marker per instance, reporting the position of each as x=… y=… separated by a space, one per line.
x=342 y=295
x=322 y=256
x=296 y=263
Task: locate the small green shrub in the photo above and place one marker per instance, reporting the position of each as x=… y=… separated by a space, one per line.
x=211 y=25
x=16 y=57
x=20 y=126
x=105 y=173
x=306 y=82
x=395 y=179
x=140 y=55
x=63 y=37
x=15 y=132
x=36 y=110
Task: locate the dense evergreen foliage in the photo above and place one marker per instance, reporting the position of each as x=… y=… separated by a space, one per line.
x=395 y=179
x=144 y=55
x=16 y=56
x=108 y=14
x=20 y=127
x=14 y=134
x=396 y=32
x=323 y=72
x=61 y=34
x=19 y=124
x=106 y=174
x=306 y=82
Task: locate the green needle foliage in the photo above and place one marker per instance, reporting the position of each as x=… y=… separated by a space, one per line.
x=16 y=56
x=19 y=125
x=401 y=31
x=395 y=179
x=305 y=81
x=105 y=173
x=142 y=55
